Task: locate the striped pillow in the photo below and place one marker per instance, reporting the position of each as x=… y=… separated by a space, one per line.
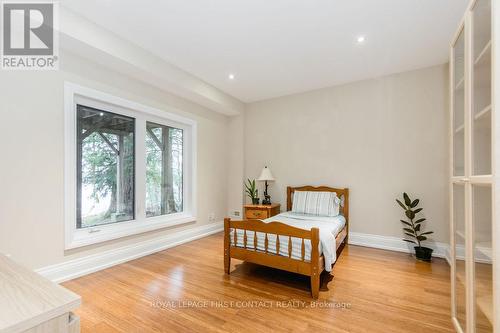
x=316 y=203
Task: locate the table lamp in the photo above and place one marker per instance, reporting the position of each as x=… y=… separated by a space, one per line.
x=266 y=176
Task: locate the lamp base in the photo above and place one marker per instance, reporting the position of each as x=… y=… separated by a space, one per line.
x=266 y=200
x=267 y=197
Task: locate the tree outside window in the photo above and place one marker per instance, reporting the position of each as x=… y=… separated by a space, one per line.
x=164 y=182
x=105 y=167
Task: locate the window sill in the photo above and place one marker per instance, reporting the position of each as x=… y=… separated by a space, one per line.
x=104 y=233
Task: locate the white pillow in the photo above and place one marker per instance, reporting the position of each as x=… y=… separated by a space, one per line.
x=316 y=203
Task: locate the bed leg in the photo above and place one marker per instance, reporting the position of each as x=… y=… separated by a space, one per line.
x=227 y=264
x=227 y=245
x=315 y=281
x=315 y=274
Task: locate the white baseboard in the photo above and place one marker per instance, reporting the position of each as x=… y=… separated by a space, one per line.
x=441 y=250
x=74 y=268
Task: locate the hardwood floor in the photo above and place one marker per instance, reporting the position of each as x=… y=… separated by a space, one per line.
x=184 y=289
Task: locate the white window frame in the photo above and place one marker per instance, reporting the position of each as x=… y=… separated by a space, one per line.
x=75 y=94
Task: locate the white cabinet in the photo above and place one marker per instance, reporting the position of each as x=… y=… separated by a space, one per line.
x=30 y=303
x=472 y=182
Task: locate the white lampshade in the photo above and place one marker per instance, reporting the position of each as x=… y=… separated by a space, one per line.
x=266 y=175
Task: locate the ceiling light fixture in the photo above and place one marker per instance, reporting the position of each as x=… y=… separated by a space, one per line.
x=361 y=39
x=231 y=76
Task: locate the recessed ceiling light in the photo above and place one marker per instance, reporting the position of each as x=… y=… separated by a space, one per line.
x=361 y=39
x=231 y=76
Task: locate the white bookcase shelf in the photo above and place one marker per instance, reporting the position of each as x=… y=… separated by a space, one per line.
x=484 y=54
x=483 y=113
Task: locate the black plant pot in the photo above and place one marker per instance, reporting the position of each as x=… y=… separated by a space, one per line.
x=423 y=253
x=255 y=201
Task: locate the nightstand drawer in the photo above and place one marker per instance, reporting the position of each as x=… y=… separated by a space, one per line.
x=261 y=212
x=256 y=214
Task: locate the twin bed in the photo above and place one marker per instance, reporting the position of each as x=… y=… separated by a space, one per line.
x=296 y=241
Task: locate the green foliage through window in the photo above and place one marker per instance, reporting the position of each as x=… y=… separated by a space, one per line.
x=164 y=176
x=106 y=171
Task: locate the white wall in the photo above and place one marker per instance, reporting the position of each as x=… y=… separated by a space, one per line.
x=235 y=166
x=377 y=137
x=31 y=168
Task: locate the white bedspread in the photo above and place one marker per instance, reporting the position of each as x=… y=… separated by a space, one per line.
x=329 y=227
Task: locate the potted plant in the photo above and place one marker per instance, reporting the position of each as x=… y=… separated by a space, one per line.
x=413 y=227
x=252 y=191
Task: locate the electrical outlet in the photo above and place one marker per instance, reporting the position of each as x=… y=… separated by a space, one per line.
x=211 y=217
x=236 y=213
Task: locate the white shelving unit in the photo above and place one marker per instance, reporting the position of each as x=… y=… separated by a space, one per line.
x=472 y=182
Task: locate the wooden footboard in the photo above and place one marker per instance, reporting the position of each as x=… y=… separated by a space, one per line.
x=249 y=251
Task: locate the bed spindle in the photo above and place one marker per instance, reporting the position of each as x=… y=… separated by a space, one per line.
x=266 y=242
x=277 y=244
x=289 y=246
x=245 y=238
x=303 y=250
x=235 y=237
x=255 y=240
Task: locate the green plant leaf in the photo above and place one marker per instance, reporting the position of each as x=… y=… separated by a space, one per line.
x=414 y=203
x=410 y=214
x=411 y=235
x=427 y=233
x=418 y=210
x=251 y=190
x=407 y=199
x=409 y=241
x=417 y=227
x=421 y=238
x=401 y=204
x=420 y=220
x=409 y=230
x=407 y=223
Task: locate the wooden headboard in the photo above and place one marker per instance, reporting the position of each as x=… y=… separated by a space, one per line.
x=342 y=194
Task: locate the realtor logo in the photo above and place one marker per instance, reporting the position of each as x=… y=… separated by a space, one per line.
x=29 y=38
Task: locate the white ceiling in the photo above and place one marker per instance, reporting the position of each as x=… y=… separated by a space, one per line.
x=280 y=47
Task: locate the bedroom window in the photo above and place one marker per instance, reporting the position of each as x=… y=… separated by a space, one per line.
x=163 y=170
x=105 y=167
x=129 y=168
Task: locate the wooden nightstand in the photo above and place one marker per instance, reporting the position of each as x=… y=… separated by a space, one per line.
x=261 y=212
